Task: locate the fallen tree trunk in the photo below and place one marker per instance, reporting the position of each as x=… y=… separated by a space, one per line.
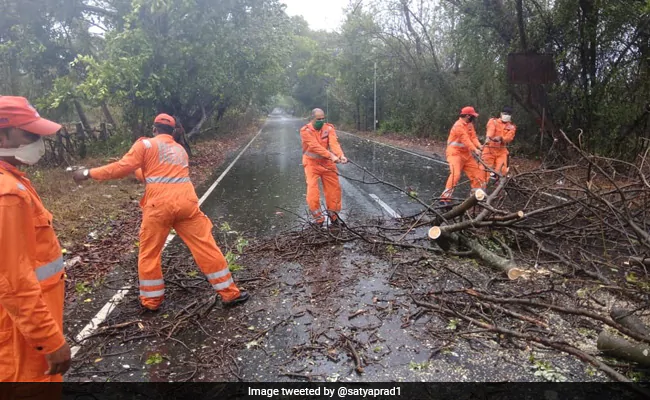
x=506 y=265
x=617 y=347
x=630 y=321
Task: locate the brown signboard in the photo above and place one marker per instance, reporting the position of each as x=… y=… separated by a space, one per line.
x=531 y=68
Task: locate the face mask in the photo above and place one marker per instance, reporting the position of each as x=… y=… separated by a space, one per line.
x=318 y=124
x=27 y=154
x=506 y=117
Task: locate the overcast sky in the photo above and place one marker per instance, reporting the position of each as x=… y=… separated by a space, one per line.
x=320 y=14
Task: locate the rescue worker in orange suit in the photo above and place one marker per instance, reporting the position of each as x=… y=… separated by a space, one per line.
x=320 y=151
x=462 y=148
x=500 y=133
x=32 y=345
x=170 y=201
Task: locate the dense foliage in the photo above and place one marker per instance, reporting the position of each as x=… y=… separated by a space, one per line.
x=434 y=56
x=125 y=60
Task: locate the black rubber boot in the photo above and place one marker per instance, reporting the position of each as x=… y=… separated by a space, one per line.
x=243 y=297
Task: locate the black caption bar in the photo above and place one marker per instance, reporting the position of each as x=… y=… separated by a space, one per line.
x=325 y=390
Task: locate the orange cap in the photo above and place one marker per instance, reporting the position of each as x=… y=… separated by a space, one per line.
x=165 y=120
x=16 y=112
x=469 y=111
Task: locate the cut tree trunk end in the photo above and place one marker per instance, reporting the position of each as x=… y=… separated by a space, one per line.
x=497 y=262
x=445 y=234
x=617 y=347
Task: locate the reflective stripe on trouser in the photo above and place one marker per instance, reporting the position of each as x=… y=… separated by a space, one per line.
x=331 y=186
x=195 y=229
x=50 y=269
x=462 y=162
x=19 y=360
x=152 y=288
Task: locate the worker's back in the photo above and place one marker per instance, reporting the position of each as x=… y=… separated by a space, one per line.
x=166 y=170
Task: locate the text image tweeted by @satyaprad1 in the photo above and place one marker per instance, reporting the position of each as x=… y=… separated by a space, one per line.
x=339 y=392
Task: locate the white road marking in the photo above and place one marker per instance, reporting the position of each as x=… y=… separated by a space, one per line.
x=385 y=206
x=101 y=316
x=105 y=311
x=223 y=174
x=397 y=148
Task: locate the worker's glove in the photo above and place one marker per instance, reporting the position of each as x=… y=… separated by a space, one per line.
x=344 y=160
x=80 y=175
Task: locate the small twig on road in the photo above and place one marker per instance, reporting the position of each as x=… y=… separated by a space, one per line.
x=356 y=314
x=355 y=355
x=302 y=376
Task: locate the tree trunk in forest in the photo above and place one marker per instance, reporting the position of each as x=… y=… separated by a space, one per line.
x=107 y=114
x=82 y=116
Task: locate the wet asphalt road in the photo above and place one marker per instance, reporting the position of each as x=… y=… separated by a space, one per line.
x=269 y=177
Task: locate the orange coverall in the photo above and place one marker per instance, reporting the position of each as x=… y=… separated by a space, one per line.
x=31 y=282
x=317 y=148
x=169 y=201
x=495 y=154
x=461 y=142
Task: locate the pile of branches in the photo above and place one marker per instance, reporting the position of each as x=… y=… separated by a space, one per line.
x=586 y=221
x=591 y=216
